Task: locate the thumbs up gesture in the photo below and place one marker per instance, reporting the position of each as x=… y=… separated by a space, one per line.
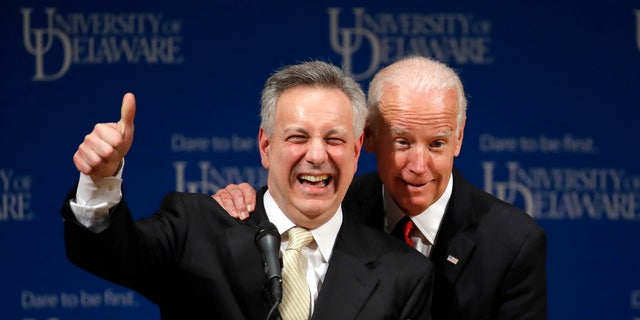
x=102 y=151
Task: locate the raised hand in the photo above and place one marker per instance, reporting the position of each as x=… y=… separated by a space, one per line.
x=237 y=199
x=102 y=151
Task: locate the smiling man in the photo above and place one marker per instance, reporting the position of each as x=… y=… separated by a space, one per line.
x=489 y=255
x=197 y=262
x=309 y=146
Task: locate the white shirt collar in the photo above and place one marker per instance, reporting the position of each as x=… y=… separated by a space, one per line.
x=324 y=236
x=427 y=222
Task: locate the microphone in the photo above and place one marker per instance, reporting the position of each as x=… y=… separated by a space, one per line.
x=268 y=242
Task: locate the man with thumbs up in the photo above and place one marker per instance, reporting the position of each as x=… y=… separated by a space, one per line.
x=99 y=159
x=103 y=150
x=195 y=261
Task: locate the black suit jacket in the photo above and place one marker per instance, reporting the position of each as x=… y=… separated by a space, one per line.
x=196 y=262
x=501 y=253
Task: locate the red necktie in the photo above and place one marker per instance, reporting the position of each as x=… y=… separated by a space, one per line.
x=403 y=230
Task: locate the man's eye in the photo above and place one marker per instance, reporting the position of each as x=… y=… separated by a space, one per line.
x=335 y=141
x=437 y=144
x=297 y=139
x=402 y=143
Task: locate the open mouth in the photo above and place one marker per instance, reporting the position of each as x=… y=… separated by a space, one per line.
x=317 y=181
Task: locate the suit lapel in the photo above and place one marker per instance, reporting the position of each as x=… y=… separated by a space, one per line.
x=348 y=282
x=456 y=257
x=247 y=263
x=360 y=204
x=453 y=247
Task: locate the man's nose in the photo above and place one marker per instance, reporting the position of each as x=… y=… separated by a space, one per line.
x=418 y=161
x=317 y=152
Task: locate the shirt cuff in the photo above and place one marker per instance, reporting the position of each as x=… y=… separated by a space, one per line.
x=94 y=198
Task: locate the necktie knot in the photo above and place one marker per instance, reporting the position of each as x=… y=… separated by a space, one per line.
x=403 y=230
x=299 y=238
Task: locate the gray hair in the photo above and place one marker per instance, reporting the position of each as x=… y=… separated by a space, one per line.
x=417 y=73
x=311 y=74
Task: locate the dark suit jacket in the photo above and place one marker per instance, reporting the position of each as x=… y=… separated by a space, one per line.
x=501 y=253
x=196 y=262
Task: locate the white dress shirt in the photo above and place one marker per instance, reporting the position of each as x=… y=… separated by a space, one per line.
x=318 y=252
x=94 y=199
x=427 y=222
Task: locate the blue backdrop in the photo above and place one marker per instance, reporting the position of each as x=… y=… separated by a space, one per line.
x=553 y=107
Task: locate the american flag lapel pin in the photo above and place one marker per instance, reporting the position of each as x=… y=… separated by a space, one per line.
x=452 y=259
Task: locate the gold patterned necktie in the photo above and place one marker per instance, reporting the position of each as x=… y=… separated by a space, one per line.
x=296 y=298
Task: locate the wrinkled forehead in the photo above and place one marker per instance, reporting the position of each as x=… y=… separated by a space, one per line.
x=407 y=103
x=406 y=95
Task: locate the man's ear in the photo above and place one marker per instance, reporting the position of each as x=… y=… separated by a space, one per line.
x=358 y=146
x=264 y=144
x=460 y=137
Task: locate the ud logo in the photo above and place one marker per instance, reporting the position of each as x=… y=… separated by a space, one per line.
x=382 y=37
x=566 y=192
x=60 y=40
x=39 y=41
x=346 y=41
